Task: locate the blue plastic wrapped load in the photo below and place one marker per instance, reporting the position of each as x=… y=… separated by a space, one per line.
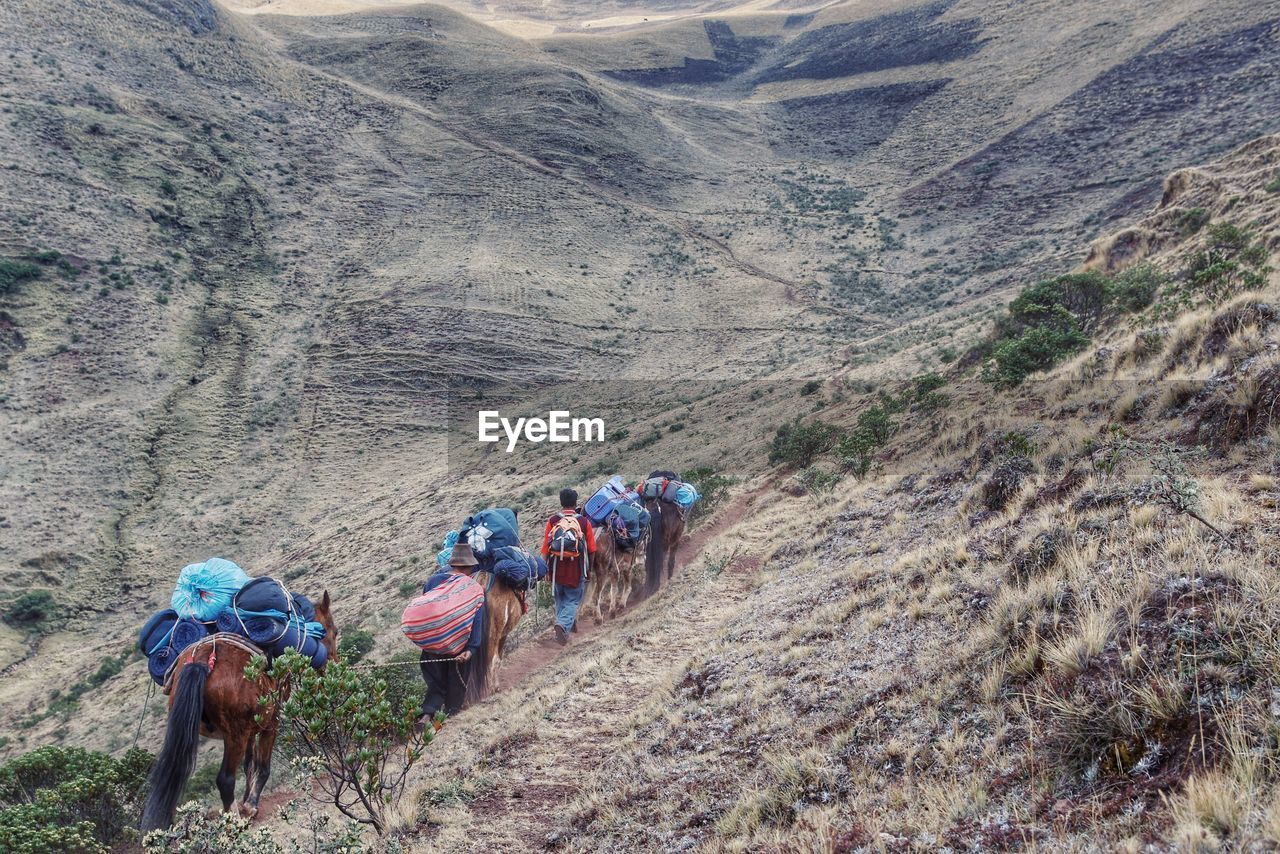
x=156 y=631
x=204 y=589
x=634 y=518
x=442 y=556
x=490 y=530
x=686 y=495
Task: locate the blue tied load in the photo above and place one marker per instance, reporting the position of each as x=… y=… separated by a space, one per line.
x=205 y=589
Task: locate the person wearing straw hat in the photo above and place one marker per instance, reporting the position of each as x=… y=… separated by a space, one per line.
x=446 y=679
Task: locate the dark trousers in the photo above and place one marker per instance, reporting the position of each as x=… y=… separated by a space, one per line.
x=446 y=689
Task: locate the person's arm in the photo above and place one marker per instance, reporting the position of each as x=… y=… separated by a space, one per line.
x=477 y=634
x=434 y=581
x=588 y=531
x=546 y=537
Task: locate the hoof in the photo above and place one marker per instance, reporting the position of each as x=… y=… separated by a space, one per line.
x=598 y=619
x=248 y=811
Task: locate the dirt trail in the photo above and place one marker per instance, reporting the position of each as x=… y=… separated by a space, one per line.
x=609 y=672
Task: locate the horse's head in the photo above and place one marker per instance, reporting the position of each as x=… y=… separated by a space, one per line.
x=324 y=616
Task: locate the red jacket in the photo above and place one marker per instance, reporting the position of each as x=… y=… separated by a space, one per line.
x=587 y=533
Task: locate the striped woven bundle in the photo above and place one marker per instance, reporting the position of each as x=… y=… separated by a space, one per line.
x=439 y=621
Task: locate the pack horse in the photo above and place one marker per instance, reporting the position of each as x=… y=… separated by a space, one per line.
x=210 y=696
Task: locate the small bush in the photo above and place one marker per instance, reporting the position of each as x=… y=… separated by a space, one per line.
x=810 y=387
x=796 y=444
x=13 y=273
x=817 y=481
x=1135 y=288
x=356 y=643
x=713 y=486
x=1274 y=186
x=31 y=609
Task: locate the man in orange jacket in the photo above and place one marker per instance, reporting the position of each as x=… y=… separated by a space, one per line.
x=568 y=544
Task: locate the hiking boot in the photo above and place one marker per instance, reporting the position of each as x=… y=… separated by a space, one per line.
x=561 y=635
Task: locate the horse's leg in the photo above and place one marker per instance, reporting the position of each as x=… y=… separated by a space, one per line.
x=262 y=747
x=234 y=745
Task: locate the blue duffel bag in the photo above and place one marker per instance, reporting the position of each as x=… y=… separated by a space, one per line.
x=261 y=595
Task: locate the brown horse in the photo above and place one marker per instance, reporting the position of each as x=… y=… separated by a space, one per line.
x=210 y=696
x=503 y=615
x=611 y=574
x=666 y=527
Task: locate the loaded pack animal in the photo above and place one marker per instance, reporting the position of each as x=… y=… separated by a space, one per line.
x=504 y=611
x=666 y=527
x=612 y=573
x=210 y=696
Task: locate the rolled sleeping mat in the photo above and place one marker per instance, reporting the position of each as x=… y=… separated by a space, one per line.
x=321 y=656
x=264 y=631
x=229 y=622
x=292 y=636
x=186 y=632
x=263 y=594
x=158 y=663
x=156 y=630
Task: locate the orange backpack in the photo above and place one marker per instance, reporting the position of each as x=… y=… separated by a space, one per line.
x=567 y=538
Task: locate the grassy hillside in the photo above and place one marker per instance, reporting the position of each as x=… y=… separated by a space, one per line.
x=257 y=271
x=1045 y=620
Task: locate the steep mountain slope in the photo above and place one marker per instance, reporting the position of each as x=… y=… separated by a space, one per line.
x=1038 y=625
x=278 y=258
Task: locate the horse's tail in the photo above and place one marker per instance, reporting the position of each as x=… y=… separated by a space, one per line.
x=475 y=672
x=178 y=756
x=655 y=554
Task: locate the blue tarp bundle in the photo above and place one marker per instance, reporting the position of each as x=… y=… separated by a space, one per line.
x=490 y=530
x=686 y=496
x=204 y=589
x=518 y=567
x=259 y=609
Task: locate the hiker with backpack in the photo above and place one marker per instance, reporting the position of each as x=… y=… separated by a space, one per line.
x=568 y=544
x=447 y=659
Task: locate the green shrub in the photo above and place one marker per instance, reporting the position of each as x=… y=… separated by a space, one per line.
x=796 y=444
x=356 y=643
x=1193 y=220
x=711 y=485
x=810 y=387
x=361 y=746
x=1135 y=288
x=1274 y=186
x=13 y=273
x=57 y=799
x=856 y=452
x=31 y=608
x=1037 y=349
x=817 y=481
